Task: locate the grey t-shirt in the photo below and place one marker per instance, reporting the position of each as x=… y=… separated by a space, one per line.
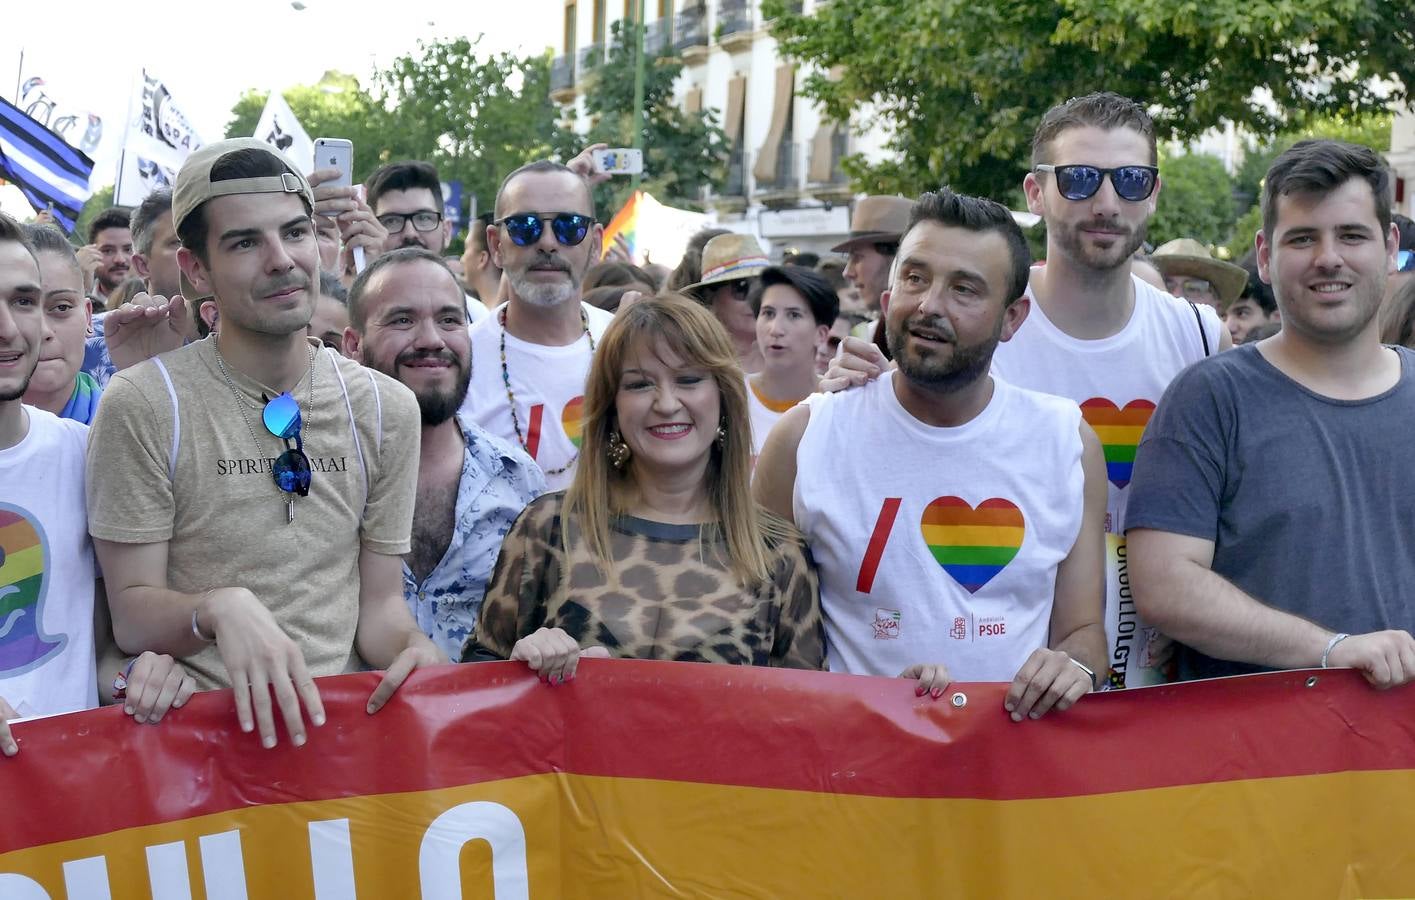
x=1310 y=502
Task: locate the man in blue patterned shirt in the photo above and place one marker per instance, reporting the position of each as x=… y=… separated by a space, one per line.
x=408 y=320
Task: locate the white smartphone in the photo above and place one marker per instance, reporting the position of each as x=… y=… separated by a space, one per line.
x=619 y=161
x=335 y=153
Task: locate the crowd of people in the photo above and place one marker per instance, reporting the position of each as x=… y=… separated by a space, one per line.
x=310 y=442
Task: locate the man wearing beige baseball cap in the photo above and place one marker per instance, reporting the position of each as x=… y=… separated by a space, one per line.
x=731 y=264
x=257 y=489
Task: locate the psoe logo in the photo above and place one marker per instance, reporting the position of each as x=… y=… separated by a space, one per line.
x=331 y=862
x=995 y=626
x=886 y=624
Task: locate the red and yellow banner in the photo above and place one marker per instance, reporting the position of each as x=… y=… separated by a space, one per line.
x=644 y=779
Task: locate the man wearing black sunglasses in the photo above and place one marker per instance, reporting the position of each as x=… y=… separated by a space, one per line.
x=531 y=355
x=257 y=489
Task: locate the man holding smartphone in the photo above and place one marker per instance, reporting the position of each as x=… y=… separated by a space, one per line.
x=406 y=198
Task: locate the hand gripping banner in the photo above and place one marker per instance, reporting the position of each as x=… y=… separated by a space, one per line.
x=644 y=779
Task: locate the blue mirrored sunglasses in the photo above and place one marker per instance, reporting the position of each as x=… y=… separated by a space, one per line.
x=1133 y=183
x=526 y=228
x=292 y=468
x=1405 y=261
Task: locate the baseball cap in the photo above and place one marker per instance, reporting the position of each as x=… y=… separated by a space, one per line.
x=194 y=185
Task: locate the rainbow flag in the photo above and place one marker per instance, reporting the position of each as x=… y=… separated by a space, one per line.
x=625 y=225
x=651 y=779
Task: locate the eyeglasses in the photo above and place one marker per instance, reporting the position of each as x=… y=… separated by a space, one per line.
x=292 y=468
x=423 y=220
x=1133 y=183
x=526 y=228
x=1405 y=261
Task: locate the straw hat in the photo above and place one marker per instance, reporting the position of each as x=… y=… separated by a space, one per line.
x=730 y=257
x=1186 y=256
x=877 y=220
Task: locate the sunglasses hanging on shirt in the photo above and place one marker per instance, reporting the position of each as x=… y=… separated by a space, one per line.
x=291 y=470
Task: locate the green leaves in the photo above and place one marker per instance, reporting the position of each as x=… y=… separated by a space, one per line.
x=962 y=84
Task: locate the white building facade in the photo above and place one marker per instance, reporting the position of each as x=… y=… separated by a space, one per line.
x=785 y=182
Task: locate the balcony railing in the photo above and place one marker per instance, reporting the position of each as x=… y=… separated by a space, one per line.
x=788 y=168
x=733 y=17
x=737 y=169
x=657 y=35
x=591 y=55
x=562 y=73
x=690 y=28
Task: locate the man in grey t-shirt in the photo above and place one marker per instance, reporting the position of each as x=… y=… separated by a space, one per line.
x=1271 y=508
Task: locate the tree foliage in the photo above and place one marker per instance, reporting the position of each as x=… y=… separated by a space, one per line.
x=1195 y=201
x=476 y=119
x=962 y=85
x=683 y=152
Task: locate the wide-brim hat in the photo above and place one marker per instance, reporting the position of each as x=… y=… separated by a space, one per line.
x=1186 y=256
x=877 y=220
x=730 y=257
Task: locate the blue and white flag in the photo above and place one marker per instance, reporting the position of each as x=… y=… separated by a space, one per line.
x=42 y=165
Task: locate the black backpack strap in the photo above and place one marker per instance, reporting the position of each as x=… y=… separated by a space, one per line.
x=1203 y=336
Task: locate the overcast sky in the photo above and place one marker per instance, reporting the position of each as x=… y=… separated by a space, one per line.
x=209 y=53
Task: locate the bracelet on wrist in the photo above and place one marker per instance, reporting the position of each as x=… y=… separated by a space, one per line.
x=1331 y=645
x=196 y=629
x=1084 y=668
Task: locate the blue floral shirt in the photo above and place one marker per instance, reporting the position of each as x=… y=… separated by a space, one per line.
x=497 y=482
x=96 y=361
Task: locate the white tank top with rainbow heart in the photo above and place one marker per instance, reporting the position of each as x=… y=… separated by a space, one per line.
x=938 y=545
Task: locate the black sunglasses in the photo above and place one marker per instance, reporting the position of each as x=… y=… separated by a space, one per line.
x=526 y=228
x=1133 y=183
x=423 y=220
x=292 y=468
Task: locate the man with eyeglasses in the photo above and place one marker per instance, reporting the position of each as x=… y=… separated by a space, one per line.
x=1097 y=334
x=530 y=357
x=406 y=198
x=250 y=496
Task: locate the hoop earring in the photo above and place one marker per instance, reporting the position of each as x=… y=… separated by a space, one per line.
x=618 y=451
x=722 y=434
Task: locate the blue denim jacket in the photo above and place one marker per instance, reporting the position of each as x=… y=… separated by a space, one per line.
x=497 y=482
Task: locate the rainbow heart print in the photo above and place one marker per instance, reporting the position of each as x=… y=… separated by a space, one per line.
x=973 y=544
x=571 y=420
x=1120 y=431
x=23 y=646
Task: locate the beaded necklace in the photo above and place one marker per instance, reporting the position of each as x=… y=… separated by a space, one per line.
x=511 y=396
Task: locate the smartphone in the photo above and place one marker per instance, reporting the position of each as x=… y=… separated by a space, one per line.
x=619 y=161
x=335 y=153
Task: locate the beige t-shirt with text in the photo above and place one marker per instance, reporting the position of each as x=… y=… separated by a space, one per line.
x=219 y=510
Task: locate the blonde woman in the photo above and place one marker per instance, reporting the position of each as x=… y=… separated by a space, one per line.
x=657 y=550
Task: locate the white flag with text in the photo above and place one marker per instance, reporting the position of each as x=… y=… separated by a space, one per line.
x=279 y=128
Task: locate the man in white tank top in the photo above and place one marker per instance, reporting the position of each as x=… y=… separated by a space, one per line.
x=962 y=536
x=1097 y=334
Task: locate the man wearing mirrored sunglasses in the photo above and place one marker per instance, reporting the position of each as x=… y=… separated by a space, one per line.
x=1404 y=270
x=531 y=355
x=406 y=198
x=251 y=495
x=1097 y=334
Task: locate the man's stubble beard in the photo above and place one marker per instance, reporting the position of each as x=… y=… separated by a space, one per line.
x=1074 y=248
x=965 y=365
